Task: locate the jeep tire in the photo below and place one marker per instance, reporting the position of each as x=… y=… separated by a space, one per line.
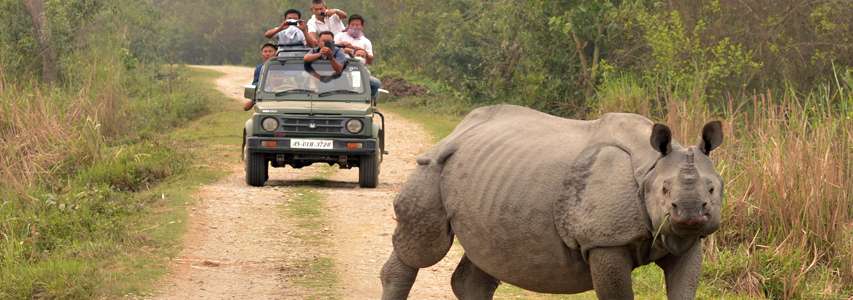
x=368 y=170
x=257 y=169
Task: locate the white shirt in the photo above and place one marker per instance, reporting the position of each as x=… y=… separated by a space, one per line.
x=289 y=36
x=361 y=42
x=332 y=23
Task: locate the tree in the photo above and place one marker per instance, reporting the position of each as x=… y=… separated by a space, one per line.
x=41 y=30
x=589 y=25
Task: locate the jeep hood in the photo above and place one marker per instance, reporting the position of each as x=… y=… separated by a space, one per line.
x=314 y=107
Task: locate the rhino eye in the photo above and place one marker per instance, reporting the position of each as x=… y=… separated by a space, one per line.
x=665 y=190
x=711 y=191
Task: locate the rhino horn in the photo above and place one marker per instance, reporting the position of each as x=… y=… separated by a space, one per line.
x=688 y=173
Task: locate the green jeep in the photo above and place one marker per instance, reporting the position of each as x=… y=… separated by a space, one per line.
x=307 y=113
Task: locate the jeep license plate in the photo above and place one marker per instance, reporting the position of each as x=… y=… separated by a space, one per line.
x=311 y=144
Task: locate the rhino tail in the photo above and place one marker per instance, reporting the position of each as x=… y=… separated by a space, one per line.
x=439 y=155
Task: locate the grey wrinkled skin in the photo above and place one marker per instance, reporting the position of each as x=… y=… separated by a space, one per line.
x=557 y=206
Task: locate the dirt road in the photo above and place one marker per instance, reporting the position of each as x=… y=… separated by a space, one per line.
x=239 y=245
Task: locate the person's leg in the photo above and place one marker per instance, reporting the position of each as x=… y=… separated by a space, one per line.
x=375 y=85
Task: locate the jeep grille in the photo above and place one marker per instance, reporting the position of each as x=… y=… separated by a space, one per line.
x=313 y=125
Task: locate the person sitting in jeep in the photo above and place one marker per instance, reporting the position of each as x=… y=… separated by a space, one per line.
x=267 y=52
x=328 y=51
x=293 y=31
x=357 y=45
x=353 y=38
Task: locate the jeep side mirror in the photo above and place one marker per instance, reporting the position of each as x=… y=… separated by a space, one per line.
x=249 y=92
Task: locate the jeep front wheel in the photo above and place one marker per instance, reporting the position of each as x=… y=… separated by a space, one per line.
x=368 y=170
x=256 y=169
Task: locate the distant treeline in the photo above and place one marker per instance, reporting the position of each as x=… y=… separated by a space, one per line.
x=552 y=55
x=555 y=55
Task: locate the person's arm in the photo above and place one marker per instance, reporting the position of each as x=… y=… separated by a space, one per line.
x=338 y=59
x=339 y=68
x=310 y=39
x=324 y=52
x=341 y=14
x=312 y=57
x=272 y=32
x=346 y=46
x=368 y=47
x=313 y=39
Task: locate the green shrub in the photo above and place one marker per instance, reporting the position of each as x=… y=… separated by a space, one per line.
x=134 y=167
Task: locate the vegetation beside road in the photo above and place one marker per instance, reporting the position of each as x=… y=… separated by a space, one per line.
x=106 y=223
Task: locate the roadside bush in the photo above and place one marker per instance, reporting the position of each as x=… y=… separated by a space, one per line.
x=132 y=168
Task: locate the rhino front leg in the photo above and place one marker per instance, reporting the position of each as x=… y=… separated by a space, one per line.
x=682 y=272
x=397 y=278
x=611 y=272
x=470 y=282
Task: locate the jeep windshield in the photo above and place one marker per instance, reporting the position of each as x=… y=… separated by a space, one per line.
x=318 y=78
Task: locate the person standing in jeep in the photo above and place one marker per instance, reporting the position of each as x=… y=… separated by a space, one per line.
x=353 y=38
x=324 y=19
x=293 y=31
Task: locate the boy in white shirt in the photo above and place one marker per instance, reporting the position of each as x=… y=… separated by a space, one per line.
x=324 y=19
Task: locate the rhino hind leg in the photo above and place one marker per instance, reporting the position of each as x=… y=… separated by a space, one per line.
x=423 y=235
x=470 y=282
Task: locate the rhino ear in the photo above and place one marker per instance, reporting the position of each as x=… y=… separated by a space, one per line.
x=661 y=138
x=712 y=137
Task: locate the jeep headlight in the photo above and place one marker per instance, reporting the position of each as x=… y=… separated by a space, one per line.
x=269 y=124
x=354 y=126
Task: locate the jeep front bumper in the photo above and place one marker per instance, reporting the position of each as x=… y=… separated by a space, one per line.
x=273 y=145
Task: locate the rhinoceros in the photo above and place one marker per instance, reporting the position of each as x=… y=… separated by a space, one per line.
x=560 y=206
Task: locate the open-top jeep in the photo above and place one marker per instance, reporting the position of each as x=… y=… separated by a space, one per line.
x=306 y=113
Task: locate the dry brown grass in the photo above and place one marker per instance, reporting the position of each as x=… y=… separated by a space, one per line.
x=38 y=138
x=47 y=132
x=788 y=188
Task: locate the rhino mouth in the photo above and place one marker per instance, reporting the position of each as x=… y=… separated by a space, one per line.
x=684 y=230
x=668 y=227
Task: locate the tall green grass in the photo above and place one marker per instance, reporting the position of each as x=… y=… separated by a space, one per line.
x=71 y=157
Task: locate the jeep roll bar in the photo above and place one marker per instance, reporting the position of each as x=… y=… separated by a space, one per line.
x=292 y=50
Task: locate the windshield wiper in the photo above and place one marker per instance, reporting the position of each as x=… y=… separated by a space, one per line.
x=294 y=91
x=339 y=92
